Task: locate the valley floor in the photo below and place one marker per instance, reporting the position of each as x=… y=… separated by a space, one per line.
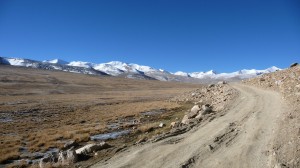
x=42 y=110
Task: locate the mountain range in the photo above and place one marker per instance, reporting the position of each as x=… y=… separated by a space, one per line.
x=135 y=71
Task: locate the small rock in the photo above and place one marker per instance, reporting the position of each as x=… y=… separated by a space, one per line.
x=206 y=108
x=144 y=139
x=89 y=148
x=262 y=79
x=162 y=125
x=279 y=82
x=82 y=121
x=293 y=64
x=222 y=83
x=185 y=120
x=210 y=147
x=211 y=85
x=46 y=161
x=173 y=124
x=70 y=144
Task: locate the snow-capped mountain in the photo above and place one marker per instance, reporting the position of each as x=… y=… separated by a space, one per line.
x=115 y=68
x=242 y=74
x=56 y=61
x=180 y=73
x=135 y=71
x=48 y=66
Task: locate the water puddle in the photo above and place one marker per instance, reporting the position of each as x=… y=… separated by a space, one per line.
x=121 y=122
x=5 y=120
x=153 y=112
x=5 y=117
x=111 y=135
x=25 y=154
x=31 y=158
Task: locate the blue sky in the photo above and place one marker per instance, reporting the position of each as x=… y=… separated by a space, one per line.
x=174 y=35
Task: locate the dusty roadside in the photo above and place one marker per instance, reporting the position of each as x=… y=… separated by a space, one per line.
x=286 y=148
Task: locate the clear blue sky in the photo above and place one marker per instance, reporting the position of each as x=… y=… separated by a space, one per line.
x=224 y=35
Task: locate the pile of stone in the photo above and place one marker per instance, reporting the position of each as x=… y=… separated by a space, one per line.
x=196 y=113
x=208 y=100
x=192 y=118
x=217 y=95
x=71 y=156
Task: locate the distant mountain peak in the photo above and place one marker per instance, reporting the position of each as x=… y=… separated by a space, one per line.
x=180 y=73
x=56 y=61
x=81 y=64
x=211 y=72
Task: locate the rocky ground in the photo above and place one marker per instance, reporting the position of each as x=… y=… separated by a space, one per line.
x=287 y=82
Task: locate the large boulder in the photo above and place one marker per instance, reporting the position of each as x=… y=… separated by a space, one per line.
x=199 y=116
x=67 y=157
x=89 y=148
x=194 y=111
x=47 y=161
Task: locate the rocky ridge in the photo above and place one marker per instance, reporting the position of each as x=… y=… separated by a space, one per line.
x=210 y=102
x=217 y=95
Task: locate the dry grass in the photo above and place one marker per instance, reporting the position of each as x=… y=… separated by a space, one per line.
x=9 y=154
x=148 y=127
x=46 y=107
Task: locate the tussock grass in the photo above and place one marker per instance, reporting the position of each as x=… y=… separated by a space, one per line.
x=149 y=127
x=43 y=116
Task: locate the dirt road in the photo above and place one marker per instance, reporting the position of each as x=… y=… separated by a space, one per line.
x=241 y=138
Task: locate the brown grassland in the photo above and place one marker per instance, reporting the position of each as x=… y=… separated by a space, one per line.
x=41 y=109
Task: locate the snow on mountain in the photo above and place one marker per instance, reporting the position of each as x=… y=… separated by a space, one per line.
x=56 y=61
x=117 y=68
x=109 y=69
x=180 y=73
x=242 y=74
x=81 y=64
x=17 y=62
x=48 y=66
x=143 y=68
